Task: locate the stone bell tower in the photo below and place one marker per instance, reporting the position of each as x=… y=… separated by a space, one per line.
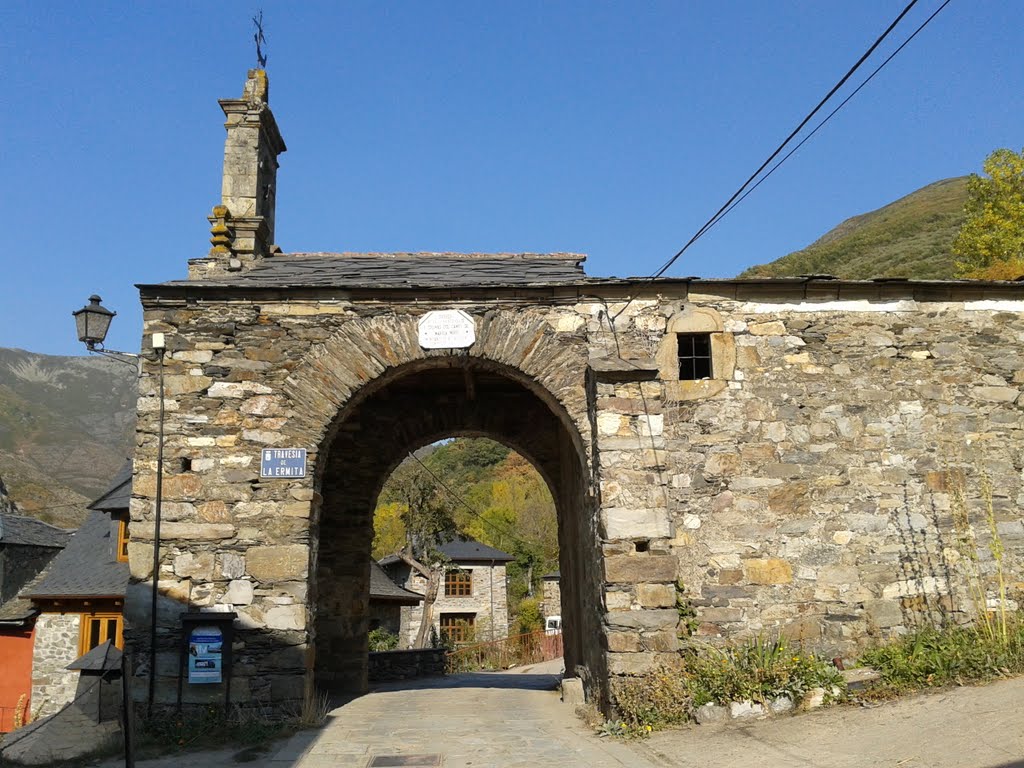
x=242 y=226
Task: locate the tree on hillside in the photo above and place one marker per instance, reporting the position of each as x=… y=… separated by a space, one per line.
x=489 y=493
x=991 y=242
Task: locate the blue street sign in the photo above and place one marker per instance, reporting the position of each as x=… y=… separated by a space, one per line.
x=283 y=462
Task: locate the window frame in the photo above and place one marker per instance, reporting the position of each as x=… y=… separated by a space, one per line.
x=104 y=617
x=702 y=365
x=123 y=538
x=693 y=320
x=454 y=626
x=458 y=583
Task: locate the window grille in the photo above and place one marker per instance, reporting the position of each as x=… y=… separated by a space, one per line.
x=694 y=356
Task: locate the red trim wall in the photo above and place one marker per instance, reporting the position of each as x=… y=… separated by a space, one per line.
x=15 y=672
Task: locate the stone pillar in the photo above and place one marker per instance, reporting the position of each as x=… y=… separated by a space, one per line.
x=242 y=226
x=640 y=570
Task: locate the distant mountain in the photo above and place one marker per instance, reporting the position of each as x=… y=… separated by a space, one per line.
x=66 y=426
x=911 y=237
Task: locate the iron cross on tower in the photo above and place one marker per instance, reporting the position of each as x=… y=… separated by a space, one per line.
x=260 y=40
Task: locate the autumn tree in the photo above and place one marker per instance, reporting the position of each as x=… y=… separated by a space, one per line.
x=990 y=244
x=479 y=488
x=425 y=514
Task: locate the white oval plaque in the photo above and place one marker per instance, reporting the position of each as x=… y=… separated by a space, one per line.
x=447 y=329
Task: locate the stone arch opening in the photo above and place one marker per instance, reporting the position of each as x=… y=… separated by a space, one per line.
x=405 y=408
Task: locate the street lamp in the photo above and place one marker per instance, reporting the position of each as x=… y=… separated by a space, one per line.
x=93 y=322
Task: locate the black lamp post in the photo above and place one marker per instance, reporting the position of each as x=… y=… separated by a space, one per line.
x=93 y=322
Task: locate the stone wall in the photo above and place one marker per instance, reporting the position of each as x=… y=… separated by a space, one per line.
x=291 y=555
x=823 y=492
x=489 y=602
x=808 y=487
x=551 y=598
x=406 y=664
x=56 y=645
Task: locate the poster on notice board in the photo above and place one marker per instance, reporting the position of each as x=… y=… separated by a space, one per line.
x=205 y=647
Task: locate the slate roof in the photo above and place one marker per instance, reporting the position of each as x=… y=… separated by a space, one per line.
x=469 y=549
x=464 y=550
x=17 y=610
x=27 y=531
x=87 y=567
x=119 y=494
x=383 y=588
x=101 y=658
x=406 y=270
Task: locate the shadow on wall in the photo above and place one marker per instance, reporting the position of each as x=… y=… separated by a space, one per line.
x=951 y=554
x=268 y=666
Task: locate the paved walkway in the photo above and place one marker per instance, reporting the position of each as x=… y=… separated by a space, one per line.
x=499 y=720
x=515 y=719
x=977 y=727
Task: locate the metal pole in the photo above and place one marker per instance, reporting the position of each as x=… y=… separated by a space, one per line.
x=156 y=534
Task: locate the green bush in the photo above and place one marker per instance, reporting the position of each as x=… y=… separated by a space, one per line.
x=759 y=670
x=382 y=640
x=529 y=618
x=948 y=656
x=658 y=699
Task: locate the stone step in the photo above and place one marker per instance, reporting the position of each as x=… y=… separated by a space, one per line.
x=860 y=678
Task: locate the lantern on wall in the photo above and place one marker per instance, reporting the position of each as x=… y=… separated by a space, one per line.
x=93 y=321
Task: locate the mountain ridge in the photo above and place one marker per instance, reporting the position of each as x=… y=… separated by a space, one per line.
x=910 y=237
x=66 y=426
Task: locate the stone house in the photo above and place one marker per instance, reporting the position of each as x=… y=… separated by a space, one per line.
x=387 y=601
x=551 y=594
x=472 y=602
x=27 y=545
x=79 y=597
x=808 y=457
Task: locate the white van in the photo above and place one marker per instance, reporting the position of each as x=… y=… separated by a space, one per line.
x=553 y=625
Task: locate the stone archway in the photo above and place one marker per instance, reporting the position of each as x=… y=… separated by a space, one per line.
x=517 y=385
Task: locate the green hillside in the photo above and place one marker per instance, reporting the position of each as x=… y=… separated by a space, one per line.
x=911 y=237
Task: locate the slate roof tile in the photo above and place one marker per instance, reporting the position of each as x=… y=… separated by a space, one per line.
x=17 y=610
x=119 y=494
x=383 y=588
x=27 y=531
x=103 y=657
x=87 y=566
x=406 y=270
x=463 y=550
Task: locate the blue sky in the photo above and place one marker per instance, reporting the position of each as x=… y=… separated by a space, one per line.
x=611 y=129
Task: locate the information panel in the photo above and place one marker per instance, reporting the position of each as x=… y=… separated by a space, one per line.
x=205 y=655
x=283 y=462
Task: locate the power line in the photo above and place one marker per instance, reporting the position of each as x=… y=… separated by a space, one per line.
x=831 y=114
x=721 y=211
x=467 y=505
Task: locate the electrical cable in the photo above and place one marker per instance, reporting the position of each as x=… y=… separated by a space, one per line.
x=710 y=222
x=467 y=505
x=831 y=114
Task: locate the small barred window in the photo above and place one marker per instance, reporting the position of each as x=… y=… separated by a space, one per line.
x=694 y=356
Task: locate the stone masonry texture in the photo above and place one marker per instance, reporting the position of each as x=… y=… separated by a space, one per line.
x=55 y=646
x=488 y=603
x=842 y=475
x=823 y=492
